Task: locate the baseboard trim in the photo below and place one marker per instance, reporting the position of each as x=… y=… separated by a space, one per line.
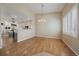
x=71 y=48
x=48 y=37
x=25 y=39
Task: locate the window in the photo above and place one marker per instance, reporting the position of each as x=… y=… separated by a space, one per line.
x=65 y=24
x=74 y=21
x=70 y=22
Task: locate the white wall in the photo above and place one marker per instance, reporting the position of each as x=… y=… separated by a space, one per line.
x=51 y=28
x=24 y=34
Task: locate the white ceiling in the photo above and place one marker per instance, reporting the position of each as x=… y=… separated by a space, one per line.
x=48 y=7
x=36 y=7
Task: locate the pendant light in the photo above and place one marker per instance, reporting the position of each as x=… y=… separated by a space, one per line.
x=42 y=19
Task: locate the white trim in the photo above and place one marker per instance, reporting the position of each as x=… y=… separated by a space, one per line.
x=21 y=40
x=37 y=36
x=71 y=48
x=48 y=37
x=25 y=39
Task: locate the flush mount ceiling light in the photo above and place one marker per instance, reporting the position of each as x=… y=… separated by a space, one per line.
x=42 y=19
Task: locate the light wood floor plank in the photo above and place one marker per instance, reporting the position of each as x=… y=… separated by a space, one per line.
x=36 y=45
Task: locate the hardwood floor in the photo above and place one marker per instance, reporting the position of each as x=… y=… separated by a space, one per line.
x=36 y=45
